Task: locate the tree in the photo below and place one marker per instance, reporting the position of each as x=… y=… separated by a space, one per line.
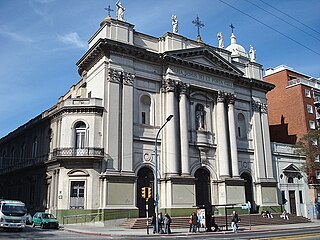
x=308 y=146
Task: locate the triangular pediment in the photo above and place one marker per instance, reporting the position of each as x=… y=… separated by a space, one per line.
x=291 y=168
x=203 y=58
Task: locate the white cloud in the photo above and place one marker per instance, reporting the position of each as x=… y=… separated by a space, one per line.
x=15 y=36
x=72 y=39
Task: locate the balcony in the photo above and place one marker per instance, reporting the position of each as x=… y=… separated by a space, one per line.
x=311 y=82
x=78 y=153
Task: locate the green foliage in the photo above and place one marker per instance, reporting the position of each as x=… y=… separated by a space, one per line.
x=308 y=146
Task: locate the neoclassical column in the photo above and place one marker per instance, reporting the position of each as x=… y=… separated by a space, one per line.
x=223 y=160
x=266 y=140
x=232 y=135
x=184 y=140
x=170 y=131
x=259 y=157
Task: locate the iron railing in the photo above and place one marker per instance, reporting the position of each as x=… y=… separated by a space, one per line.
x=78 y=152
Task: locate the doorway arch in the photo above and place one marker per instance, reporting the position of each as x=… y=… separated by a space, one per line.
x=145 y=179
x=202 y=183
x=248 y=189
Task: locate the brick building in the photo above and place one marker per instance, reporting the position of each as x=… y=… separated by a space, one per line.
x=293 y=110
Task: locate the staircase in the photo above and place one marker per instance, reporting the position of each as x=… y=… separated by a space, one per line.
x=246 y=220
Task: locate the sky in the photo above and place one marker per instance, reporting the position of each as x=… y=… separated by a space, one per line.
x=41 y=40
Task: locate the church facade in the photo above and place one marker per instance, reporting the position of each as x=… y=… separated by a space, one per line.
x=97 y=143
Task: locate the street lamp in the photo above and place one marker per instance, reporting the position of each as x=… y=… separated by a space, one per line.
x=156 y=172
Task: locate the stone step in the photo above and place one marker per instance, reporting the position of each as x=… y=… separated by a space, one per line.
x=246 y=220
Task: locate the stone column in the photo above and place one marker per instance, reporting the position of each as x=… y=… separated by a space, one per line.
x=223 y=160
x=266 y=140
x=232 y=135
x=258 y=141
x=184 y=140
x=170 y=130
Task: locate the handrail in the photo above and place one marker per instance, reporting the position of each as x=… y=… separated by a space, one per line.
x=85 y=217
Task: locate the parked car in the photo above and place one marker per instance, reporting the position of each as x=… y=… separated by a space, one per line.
x=45 y=220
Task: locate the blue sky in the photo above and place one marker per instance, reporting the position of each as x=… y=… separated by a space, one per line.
x=41 y=40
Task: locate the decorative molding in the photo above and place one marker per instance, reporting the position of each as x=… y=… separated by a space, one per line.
x=231 y=98
x=120 y=77
x=259 y=107
x=221 y=96
x=184 y=89
x=168 y=85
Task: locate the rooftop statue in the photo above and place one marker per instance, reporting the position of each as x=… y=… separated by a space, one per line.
x=252 y=54
x=175 y=24
x=220 y=39
x=120 y=11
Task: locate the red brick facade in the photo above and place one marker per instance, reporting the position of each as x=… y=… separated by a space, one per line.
x=289 y=119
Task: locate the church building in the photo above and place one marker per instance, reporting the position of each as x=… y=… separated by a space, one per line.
x=201 y=109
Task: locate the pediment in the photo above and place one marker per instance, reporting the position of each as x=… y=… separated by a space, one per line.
x=203 y=58
x=291 y=168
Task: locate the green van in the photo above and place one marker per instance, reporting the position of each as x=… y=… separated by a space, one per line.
x=45 y=220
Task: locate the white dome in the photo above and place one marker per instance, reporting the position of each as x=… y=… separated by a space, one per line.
x=235 y=48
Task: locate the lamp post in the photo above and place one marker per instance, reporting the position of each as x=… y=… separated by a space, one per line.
x=156 y=172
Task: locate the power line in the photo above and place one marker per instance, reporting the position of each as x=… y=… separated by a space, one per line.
x=270 y=27
x=283 y=20
x=290 y=16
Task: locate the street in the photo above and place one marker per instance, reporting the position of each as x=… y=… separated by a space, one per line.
x=38 y=233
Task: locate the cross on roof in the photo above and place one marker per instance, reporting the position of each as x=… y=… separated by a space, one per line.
x=232 y=27
x=109 y=9
x=198 y=24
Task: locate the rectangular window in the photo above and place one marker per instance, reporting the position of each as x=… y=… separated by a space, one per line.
x=77 y=195
x=312 y=124
x=300 y=197
x=317 y=174
x=309 y=108
x=316 y=158
x=308 y=93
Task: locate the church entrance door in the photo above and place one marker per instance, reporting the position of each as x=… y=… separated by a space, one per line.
x=202 y=181
x=248 y=189
x=145 y=179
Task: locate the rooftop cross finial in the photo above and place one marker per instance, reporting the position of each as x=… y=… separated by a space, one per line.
x=109 y=9
x=232 y=27
x=198 y=24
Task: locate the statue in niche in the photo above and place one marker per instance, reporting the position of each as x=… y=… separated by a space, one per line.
x=252 y=53
x=120 y=11
x=220 y=39
x=175 y=24
x=200 y=115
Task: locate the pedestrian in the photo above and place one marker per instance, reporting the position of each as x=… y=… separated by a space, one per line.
x=234 y=221
x=167 y=222
x=153 y=223
x=160 y=223
x=190 y=223
x=194 y=220
x=199 y=220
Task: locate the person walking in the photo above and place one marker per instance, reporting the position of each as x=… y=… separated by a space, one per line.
x=194 y=220
x=153 y=223
x=160 y=223
x=234 y=221
x=167 y=222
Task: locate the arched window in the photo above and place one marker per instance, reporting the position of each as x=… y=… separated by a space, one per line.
x=35 y=147
x=200 y=117
x=145 y=110
x=290 y=179
x=242 y=131
x=80 y=135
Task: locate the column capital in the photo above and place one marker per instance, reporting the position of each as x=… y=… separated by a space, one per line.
x=221 y=96
x=117 y=76
x=231 y=98
x=259 y=106
x=184 y=88
x=168 y=85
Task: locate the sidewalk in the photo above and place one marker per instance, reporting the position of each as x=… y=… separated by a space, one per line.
x=113 y=228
